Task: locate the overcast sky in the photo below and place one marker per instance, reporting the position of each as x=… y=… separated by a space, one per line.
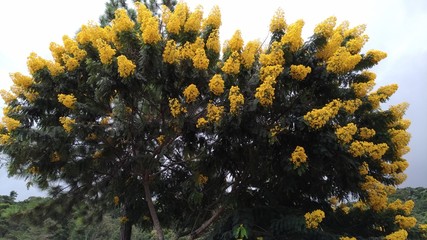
x=394 y=26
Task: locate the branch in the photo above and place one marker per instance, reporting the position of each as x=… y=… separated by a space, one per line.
x=196 y=233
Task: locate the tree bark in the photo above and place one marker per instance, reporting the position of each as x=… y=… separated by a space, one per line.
x=196 y=233
x=126 y=231
x=151 y=208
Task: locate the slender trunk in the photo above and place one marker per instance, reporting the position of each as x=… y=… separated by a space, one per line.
x=126 y=231
x=151 y=208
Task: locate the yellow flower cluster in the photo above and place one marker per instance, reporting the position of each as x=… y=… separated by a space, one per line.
x=214 y=18
x=313 y=219
x=236 y=41
x=399 y=110
x=149 y=24
x=275 y=130
x=292 y=36
x=191 y=93
x=10 y=123
x=176 y=20
x=342 y=61
x=116 y=200
x=171 y=53
x=274 y=57
x=299 y=72
x=106 y=52
x=331 y=46
x=405 y=222
x=125 y=66
x=21 y=80
x=394 y=167
x=97 y=154
x=236 y=99
x=7 y=96
x=350 y=106
x=375 y=55
x=232 y=64
x=35 y=63
x=398 y=235
x=175 y=107
x=216 y=85
x=317 y=118
x=278 y=23
x=354 y=45
x=213 y=41
x=202 y=180
x=360 y=148
x=345 y=134
x=160 y=139
x=298 y=156
x=200 y=61
x=214 y=113
x=121 y=21
x=67 y=123
x=67 y=100
x=73 y=54
x=361 y=89
x=364 y=169
x=326 y=28
x=4 y=139
x=348 y=238
x=270 y=73
x=249 y=52
x=194 y=20
x=400 y=139
x=407 y=206
x=377 y=193
x=201 y=122
x=265 y=93
x=366 y=133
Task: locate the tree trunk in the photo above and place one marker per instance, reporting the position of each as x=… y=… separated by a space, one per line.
x=152 y=210
x=126 y=231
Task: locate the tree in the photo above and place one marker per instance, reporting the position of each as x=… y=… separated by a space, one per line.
x=145 y=114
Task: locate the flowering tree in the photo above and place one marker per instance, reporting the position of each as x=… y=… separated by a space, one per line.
x=145 y=113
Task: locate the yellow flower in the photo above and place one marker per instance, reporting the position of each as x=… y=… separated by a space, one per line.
x=232 y=64
x=292 y=36
x=375 y=55
x=200 y=61
x=366 y=133
x=72 y=49
x=236 y=99
x=348 y=238
x=213 y=41
x=299 y=72
x=236 y=41
x=35 y=63
x=55 y=68
x=67 y=123
x=405 y=222
x=175 y=107
x=57 y=51
x=150 y=33
x=7 y=97
x=377 y=193
x=202 y=180
x=399 y=110
x=21 y=80
x=121 y=21
x=345 y=134
x=274 y=57
x=278 y=23
x=191 y=93
x=116 y=200
x=171 y=53
x=398 y=235
x=248 y=53
x=265 y=94
x=10 y=123
x=361 y=89
x=177 y=19
x=326 y=28
x=97 y=154
x=214 y=113
x=4 y=139
x=317 y=118
x=331 y=46
x=342 y=61
x=313 y=219
x=161 y=139
x=355 y=45
x=275 y=130
x=350 y=106
x=201 y=122
x=106 y=52
x=216 y=85
x=194 y=20
x=67 y=100
x=298 y=156
x=214 y=18
x=125 y=66
x=55 y=157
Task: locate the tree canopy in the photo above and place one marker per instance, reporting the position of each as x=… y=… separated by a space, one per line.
x=146 y=112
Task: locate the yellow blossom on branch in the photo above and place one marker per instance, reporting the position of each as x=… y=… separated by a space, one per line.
x=377 y=193
x=299 y=72
x=201 y=122
x=67 y=100
x=200 y=61
x=216 y=85
x=345 y=134
x=116 y=200
x=236 y=41
x=10 y=123
x=194 y=20
x=326 y=28
x=405 y=222
x=292 y=36
x=249 y=52
x=313 y=219
x=317 y=118
x=236 y=99
x=375 y=55
x=191 y=93
x=21 y=80
x=278 y=22
x=67 y=123
x=398 y=235
x=342 y=61
x=298 y=156
x=265 y=94
x=121 y=21
x=213 y=41
x=214 y=18
x=350 y=106
x=170 y=53
x=35 y=63
x=366 y=133
x=125 y=66
x=175 y=107
x=106 y=52
x=348 y=238
x=214 y=113
x=232 y=64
